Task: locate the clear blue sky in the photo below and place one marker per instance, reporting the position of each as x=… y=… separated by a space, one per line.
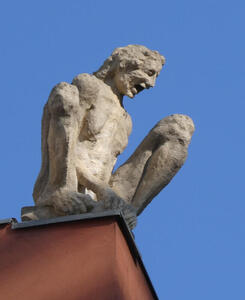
x=192 y=235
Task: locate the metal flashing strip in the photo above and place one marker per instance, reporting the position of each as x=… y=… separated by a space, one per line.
x=65 y=219
x=8 y=221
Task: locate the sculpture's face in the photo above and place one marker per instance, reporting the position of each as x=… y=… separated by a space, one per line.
x=132 y=80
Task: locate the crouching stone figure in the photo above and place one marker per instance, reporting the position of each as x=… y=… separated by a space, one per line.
x=85 y=127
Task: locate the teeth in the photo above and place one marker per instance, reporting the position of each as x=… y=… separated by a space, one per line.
x=134 y=91
x=143 y=85
x=130 y=94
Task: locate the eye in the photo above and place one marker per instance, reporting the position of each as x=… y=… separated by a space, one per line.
x=181 y=142
x=151 y=73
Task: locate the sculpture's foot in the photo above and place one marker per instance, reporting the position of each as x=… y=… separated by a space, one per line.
x=66 y=202
x=112 y=201
x=130 y=215
x=31 y=213
x=59 y=203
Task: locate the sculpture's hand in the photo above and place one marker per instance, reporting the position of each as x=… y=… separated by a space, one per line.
x=67 y=202
x=112 y=201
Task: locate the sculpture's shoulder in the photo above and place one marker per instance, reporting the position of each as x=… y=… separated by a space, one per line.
x=88 y=86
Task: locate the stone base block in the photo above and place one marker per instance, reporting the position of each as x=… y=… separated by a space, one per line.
x=72 y=257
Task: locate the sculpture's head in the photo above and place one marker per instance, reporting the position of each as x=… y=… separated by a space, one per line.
x=131 y=69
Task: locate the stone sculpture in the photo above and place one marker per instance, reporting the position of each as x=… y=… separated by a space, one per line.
x=85 y=127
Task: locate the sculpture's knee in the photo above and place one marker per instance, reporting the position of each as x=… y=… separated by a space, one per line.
x=175 y=127
x=64 y=100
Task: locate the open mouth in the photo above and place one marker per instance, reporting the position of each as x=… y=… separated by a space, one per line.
x=138 y=88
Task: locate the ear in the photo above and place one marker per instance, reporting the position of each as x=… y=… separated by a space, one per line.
x=122 y=65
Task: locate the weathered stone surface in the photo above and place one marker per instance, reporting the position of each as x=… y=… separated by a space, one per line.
x=85 y=127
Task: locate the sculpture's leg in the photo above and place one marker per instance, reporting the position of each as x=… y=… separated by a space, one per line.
x=43 y=176
x=159 y=170
x=155 y=161
x=65 y=120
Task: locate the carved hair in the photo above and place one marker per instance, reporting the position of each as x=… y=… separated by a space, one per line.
x=129 y=58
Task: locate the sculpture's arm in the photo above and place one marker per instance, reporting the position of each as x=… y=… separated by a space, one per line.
x=89 y=90
x=99 y=187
